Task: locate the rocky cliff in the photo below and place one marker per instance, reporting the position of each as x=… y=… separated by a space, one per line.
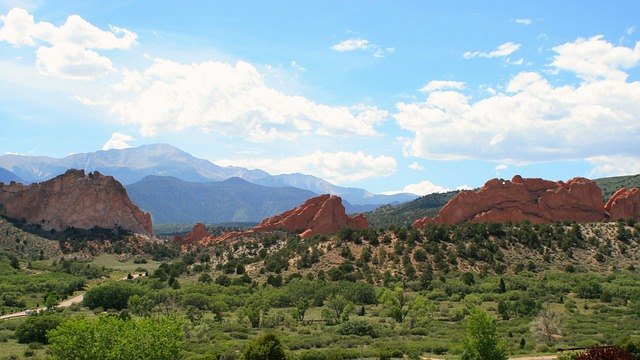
x=322 y=214
x=624 y=204
x=537 y=200
x=74 y=199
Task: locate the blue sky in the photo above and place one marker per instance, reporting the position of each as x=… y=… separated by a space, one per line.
x=390 y=96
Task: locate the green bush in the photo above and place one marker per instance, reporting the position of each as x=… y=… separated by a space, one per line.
x=35 y=327
x=357 y=327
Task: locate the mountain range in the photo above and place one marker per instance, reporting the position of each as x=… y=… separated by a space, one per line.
x=145 y=169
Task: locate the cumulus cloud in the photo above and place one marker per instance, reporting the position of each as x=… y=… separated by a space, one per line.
x=503 y=50
x=69 y=50
x=596 y=59
x=501 y=167
x=441 y=85
x=362 y=44
x=118 y=141
x=232 y=100
x=614 y=165
x=534 y=120
x=339 y=167
x=422 y=188
x=416 y=166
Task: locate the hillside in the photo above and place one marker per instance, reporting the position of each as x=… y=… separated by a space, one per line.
x=407 y=213
x=15 y=241
x=610 y=185
x=7 y=176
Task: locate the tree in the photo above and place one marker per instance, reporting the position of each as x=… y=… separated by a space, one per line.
x=35 y=327
x=109 y=338
x=51 y=300
x=395 y=304
x=113 y=295
x=546 y=325
x=266 y=347
x=337 y=309
x=141 y=305
x=481 y=341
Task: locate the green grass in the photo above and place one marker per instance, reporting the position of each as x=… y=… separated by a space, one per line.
x=122 y=268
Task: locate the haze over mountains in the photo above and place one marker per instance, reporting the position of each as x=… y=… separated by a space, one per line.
x=171 y=183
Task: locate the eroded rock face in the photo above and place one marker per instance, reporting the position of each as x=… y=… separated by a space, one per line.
x=322 y=214
x=74 y=199
x=537 y=200
x=624 y=204
x=198 y=233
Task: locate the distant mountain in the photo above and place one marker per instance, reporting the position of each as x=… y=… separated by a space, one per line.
x=127 y=165
x=319 y=186
x=7 y=176
x=132 y=165
x=171 y=200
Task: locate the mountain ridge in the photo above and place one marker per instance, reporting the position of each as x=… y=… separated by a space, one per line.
x=131 y=165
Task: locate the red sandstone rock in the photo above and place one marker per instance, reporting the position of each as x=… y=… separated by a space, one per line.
x=74 y=199
x=322 y=214
x=198 y=233
x=537 y=200
x=624 y=204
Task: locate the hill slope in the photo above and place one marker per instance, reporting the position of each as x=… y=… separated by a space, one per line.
x=7 y=176
x=610 y=185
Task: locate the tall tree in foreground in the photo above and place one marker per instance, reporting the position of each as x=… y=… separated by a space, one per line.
x=481 y=341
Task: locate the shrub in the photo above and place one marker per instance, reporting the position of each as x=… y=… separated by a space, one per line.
x=35 y=328
x=357 y=327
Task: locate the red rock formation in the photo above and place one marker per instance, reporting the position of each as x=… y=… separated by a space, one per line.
x=624 y=204
x=537 y=200
x=74 y=199
x=322 y=214
x=198 y=233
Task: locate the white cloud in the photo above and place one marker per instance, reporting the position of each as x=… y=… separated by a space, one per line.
x=71 y=47
x=230 y=100
x=523 y=21
x=534 y=120
x=464 y=188
x=441 y=85
x=339 y=167
x=362 y=44
x=416 y=166
x=118 y=141
x=501 y=167
x=352 y=45
x=505 y=49
x=631 y=29
x=595 y=59
x=72 y=62
x=605 y=166
x=422 y=188
x=297 y=66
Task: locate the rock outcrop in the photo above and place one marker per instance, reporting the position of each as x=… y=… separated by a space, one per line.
x=322 y=214
x=198 y=233
x=74 y=199
x=537 y=200
x=624 y=204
